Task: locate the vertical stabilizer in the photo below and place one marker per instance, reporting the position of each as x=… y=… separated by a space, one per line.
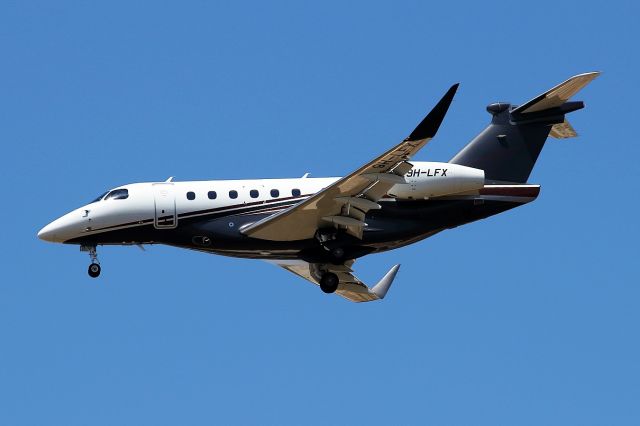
x=508 y=148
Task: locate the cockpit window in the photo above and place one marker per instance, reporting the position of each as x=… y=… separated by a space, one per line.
x=99 y=198
x=117 y=194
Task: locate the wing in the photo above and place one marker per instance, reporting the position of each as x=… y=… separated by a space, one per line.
x=350 y=286
x=345 y=203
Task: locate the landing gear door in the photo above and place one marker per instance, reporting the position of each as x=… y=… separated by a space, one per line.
x=165 y=206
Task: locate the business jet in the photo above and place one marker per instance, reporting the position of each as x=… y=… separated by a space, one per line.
x=318 y=227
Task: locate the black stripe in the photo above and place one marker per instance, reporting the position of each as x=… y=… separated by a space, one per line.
x=137 y=222
x=256 y=203
x=244 y=208
x=240 y=211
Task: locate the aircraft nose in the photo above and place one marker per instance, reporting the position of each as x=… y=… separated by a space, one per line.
x=62 y=229
x=48 y=233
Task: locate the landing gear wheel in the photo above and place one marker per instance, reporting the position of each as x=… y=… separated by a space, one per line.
x=329 y=282
x=94 y=270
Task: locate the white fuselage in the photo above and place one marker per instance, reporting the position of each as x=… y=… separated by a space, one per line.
x=165 y=202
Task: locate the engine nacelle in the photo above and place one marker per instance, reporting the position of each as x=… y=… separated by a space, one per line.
x=429 y=179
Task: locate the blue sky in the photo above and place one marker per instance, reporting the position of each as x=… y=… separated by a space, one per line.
x=526 y=318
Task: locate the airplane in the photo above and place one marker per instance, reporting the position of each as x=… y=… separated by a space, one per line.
x=317 y=228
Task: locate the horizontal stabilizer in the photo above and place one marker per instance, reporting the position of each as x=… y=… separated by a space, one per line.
x=563 y=130
x=558 y=95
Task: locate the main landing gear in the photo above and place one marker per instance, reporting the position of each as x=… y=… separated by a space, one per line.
x=329 y=282
x=94 y=267
x=330 y=241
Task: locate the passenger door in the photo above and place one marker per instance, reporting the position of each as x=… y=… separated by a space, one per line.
x=165 y=206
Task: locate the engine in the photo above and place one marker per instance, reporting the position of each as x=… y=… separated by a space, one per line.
x=429 y=179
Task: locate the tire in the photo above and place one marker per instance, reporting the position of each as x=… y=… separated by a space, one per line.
x=329 y=282
x=94 y=270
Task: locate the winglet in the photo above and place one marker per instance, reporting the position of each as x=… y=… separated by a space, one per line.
x=383 y=285
x=429 y=126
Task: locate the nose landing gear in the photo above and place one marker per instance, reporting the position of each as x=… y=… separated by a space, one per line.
x=94 y=267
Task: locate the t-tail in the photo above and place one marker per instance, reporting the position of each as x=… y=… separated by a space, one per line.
x=508 y=148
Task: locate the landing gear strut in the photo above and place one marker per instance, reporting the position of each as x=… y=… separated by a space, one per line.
x=94 y=267
x=330 y=242
x=329 y=282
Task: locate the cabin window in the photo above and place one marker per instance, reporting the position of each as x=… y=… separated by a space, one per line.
x=254 y=193
x=212 y=195
x=275 y=193
x=295 y=192
x=117 y=194
x=233 y=194
x=191 y=195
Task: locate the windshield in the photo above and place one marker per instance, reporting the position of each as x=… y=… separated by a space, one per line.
x=99 y=198
x=117 y=194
